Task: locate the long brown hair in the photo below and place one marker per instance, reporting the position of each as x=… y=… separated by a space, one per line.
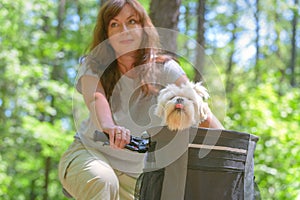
x=106 y=64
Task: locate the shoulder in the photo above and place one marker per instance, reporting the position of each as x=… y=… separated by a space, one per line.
x=173 y=66
x=172 y=63
x=85 y=70
x=167 y=61
x=87 y=66
x=170 y=71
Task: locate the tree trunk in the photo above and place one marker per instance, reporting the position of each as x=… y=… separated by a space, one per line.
x=165 y=14
x=229 y=82
x=79 y=9
x=187 y=22
x=201 y=41
x=60 y=17
x=32 y=194
x=256 y=16
x=101 y=2
x=294 y=48
x=56 y=74
x=46 y=175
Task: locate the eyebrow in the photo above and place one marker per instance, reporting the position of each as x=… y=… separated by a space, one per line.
x=126 y=18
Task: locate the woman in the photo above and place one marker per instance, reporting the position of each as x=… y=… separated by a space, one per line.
x=119 y=81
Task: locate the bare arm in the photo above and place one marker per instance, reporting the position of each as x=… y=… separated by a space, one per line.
x=211 y=122
x=181 y=80
x=95 y=99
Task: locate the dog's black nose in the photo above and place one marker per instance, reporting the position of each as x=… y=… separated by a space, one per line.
x=179 y=100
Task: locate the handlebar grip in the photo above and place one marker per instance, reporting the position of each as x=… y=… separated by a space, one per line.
x=138 y=144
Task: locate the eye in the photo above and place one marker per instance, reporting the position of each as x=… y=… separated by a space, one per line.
x=132 y=21
x=172 y=97
x=113 y=24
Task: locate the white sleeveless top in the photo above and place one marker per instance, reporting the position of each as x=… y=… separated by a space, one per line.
x=130 y=109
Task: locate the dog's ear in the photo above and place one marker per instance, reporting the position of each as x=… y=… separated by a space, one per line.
x=201 y=90
x=159 y=110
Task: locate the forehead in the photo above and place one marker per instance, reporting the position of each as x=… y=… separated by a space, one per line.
x=126 y=11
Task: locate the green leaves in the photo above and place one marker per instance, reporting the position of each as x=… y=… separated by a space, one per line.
x=274 y=118
x=39 y=51
x=51 y=136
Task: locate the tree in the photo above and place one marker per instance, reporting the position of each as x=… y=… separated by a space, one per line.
x=41 y=42
x=167 y=19
x=102 y=2
x=232 y=48
x=257 y=47
x=201 y=40
x=293 y=43
x=37 y=98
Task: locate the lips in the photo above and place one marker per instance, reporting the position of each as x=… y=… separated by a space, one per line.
x=127 y=41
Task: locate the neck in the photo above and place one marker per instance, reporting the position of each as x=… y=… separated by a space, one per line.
x=125 y=63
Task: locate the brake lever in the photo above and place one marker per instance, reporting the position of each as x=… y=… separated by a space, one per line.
x=138 y=144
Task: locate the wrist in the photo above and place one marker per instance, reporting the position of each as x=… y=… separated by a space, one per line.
x=107 y=125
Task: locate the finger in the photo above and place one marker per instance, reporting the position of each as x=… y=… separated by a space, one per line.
x=124 y=138
x=118 y=138
x=127 y=136
x=112 y=138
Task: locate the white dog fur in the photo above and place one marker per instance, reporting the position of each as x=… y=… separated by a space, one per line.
x=181 y=107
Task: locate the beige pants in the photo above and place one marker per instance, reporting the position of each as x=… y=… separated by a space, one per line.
x=86 y=175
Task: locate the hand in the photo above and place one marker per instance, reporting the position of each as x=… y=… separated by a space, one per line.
x=119 y=136
x=211 y=122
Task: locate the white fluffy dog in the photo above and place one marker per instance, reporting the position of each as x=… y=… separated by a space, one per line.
x=183 y=106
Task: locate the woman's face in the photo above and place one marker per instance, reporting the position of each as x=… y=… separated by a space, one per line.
x=125 y=31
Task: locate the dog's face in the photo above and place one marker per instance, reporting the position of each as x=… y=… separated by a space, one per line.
x=182 y=107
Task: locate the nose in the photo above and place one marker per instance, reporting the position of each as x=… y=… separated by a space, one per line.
x=179 y=100
x=124 y=28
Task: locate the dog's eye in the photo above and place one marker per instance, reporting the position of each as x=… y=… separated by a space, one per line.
x=172 y=97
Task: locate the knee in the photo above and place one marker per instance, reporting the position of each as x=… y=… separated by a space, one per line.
x=92 y=181
x=107 y=183
x=102 y=187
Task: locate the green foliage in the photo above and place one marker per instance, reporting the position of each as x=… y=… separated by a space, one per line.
x=187 y=67
x=38 y=61
x=35 y=101
x=275 y=118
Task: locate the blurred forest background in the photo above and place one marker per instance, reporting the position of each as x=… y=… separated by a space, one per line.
x=255 y=45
